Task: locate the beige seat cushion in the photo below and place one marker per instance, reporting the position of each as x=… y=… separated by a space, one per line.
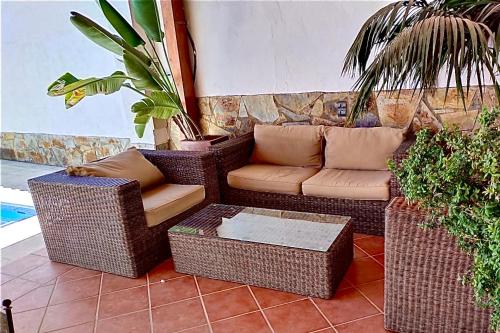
x=168 y=200
x=360 y=148
x=270 y=178
x=288 y=145
x=130 y=164
x=349 y=184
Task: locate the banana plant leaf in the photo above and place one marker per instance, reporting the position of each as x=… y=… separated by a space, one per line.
x=121 y=25
x=146 y=15
x=74 y=89
x=104 y=38
x=141 y=77
x=160 y=104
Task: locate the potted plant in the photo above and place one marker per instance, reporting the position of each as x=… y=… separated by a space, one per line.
x=455 y=177
x=145 y=72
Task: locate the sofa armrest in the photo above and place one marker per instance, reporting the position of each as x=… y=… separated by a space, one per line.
x=187 y=167
x=67 y=203
x=399 y=155
x=232 y=154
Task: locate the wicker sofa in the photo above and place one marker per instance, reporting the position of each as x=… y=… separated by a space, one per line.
x=368 y=215
x=100 y=223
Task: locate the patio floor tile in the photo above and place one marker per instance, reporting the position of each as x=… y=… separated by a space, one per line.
x=24 y=265
x=77 y=289
x=374 y=291
x=112 y=282
x=373 y=324
x=248 y=323
x=380 y=258
x=229 y=303
x=5 y=278
x=372 y=245
x=364 y=270
x=208 y=286
x=164 y=271
x=177 y=306
x=15 y=288
x=83 y=328
x=129 y=323
x=269 y=297
x=199 y=329
x=35 y=299
x=178 y=316
x=28 y=321
x=69 y=314
x=172 y=290
x=347 y=305
x=77 y=273
x=123 y=301
x=47 y=272
x=358 y=253
x=296 y=317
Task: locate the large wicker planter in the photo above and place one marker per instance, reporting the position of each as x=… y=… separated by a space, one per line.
x=423 y=290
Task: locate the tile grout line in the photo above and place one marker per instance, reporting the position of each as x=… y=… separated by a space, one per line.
x=358 y=319
x=98 y=303
x=190 y=328
x=370 y=255
x=47 y=306
x=29 y=270
x=322 y=314
x=324 y=330
x=220 y=291
x=203 y=305
x=64 y=328
x=151 y=329
x=368 y=299
x=254 y=311
x=260 y=308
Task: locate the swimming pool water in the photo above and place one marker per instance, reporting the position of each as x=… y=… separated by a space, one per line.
x=11 y=213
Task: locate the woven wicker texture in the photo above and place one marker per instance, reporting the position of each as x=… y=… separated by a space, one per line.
x=367 y=215
x=99 y=223
x=305 y=272
x=423 y=291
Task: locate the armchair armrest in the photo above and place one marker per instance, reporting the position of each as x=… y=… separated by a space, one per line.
x=187 y=167
x=232 y=154
x=65 y=203
x=399 y=155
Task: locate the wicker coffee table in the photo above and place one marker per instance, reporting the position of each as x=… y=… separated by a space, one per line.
x=303 y=253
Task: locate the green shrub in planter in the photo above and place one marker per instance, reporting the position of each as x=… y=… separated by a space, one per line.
x=455 y=175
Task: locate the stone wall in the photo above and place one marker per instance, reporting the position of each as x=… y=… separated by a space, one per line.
x=236 y=115
x=61 y=150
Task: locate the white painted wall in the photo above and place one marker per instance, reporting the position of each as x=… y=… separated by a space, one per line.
x=38 y=44
x=260 y=47
x=256 y=47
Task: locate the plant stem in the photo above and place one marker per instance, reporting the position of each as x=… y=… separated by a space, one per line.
x=134 y=89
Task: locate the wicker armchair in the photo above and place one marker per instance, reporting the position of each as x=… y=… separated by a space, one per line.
x=367 y=215
x=99 y=223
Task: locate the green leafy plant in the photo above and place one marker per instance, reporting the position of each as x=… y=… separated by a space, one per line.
x=413 y=41
x=455 y=176
x=145 y=73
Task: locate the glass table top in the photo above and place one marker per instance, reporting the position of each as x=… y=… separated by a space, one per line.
x=309 y=231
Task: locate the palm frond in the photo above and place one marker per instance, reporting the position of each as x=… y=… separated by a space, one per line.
x=433 y=39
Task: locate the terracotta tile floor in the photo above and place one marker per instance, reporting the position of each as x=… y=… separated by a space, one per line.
x=53 y=297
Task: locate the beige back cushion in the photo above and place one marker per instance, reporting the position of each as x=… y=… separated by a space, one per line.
x=360 y=148
x=288 y=145
x=130 y=164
